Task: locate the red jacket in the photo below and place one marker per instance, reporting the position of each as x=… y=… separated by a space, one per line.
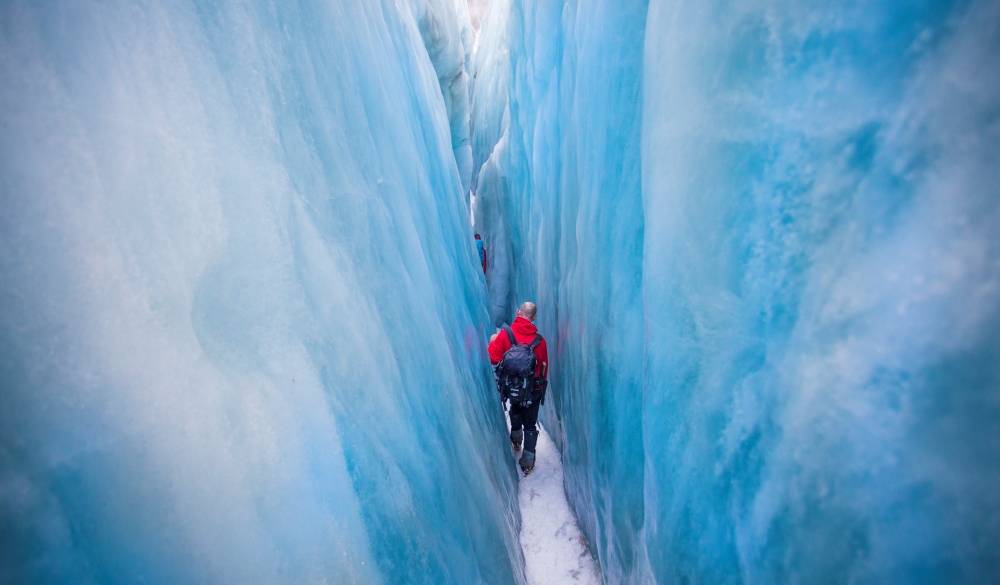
x=524 y=332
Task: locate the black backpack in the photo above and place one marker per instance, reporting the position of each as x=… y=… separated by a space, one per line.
x=516 y=371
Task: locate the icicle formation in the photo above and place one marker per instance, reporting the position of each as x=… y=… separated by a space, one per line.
x=763 y=239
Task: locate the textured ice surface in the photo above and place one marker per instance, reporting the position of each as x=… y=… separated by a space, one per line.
x=491 y=212
x=762 y=240
x=242 y=322
x=447 y=34
x=241 y=314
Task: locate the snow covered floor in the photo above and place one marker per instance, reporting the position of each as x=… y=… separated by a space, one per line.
x=555 y=550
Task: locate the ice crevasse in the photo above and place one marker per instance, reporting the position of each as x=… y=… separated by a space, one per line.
x=242 y=322
x=762 y=238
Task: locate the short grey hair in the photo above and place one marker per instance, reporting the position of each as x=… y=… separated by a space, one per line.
x=527 y=310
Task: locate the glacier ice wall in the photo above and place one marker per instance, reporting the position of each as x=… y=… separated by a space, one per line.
x=762 y=242
x=490 y=67
x=566 y=219
x=241 y=316
x=446 y=30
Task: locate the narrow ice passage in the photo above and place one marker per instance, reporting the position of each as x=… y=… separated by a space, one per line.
x=555 y=550
x=243 y=319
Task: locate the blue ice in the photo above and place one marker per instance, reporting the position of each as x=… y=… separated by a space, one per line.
x=764 y=238
x=241 y=316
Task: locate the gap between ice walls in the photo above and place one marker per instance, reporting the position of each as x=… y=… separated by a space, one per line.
x=241 y=318
x=762 y=242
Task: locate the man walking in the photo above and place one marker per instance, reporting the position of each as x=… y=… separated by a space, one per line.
x=517 y=346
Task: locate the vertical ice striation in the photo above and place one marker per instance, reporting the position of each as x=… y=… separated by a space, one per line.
x=571 y=209
x=762 y=241
x=241 y=319
x=490 y=157
x=447 y=34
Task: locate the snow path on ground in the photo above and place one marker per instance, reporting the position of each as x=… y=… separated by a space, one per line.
x=555 y=551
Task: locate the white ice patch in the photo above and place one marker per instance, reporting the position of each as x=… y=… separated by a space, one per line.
x=555 y=551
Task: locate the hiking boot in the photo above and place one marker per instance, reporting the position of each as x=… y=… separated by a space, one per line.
x=527 y=462
x=517 y=437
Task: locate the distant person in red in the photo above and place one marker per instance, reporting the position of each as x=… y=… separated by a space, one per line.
x=482 y=252
x=523 y=409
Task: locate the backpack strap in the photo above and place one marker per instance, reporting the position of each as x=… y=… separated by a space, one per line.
x=510 y=336
x=535 y=342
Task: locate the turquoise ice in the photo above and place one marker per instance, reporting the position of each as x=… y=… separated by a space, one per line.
x=243 y=319
x=765 y=236
x=242 y=326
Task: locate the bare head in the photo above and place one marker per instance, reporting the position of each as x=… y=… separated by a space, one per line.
x=527 y=311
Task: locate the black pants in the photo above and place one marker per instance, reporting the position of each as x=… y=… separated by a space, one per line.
x=526 y=417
